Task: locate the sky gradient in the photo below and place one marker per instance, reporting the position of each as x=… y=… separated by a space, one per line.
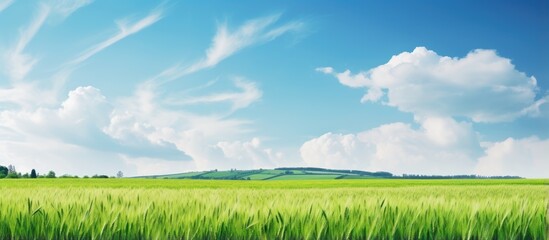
x=429 y=87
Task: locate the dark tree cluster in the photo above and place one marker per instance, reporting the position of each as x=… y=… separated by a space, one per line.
x=11 y=172
x=415 y=176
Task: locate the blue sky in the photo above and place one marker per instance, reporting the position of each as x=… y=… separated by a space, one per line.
x=424 y=87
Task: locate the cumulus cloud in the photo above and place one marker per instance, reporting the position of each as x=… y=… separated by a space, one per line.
x=249 y=154
x=337 y=151
x=526 y=157
x=439 y=146
x=481 y=86
x=81 y=123
x=85 y=108
x=211 y=141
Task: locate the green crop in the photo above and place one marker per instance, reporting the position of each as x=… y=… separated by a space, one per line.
x=301 y=209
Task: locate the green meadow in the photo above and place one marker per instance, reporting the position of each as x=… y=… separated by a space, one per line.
x=289 y=209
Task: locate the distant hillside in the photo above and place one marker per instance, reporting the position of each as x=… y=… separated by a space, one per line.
x=276 y=174
x=297 y=173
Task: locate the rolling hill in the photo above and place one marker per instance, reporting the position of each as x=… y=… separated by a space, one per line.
x=276 y=174
x=307 y=173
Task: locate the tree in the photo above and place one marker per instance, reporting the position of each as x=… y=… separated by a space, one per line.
x=33 y=174
x=3 y=171
x=119 y=174
x=51 y=174
x=100 y=176
x=12 y=175
x=11 y=169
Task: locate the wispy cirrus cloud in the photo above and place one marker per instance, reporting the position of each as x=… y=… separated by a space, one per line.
x=5 y=4
x=125 y=29
x=226 y=43
x=65 y=8
x=18 y=63
x=248 y=94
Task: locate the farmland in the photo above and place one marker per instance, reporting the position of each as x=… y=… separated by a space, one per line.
x=313 y=209
x=276 y=174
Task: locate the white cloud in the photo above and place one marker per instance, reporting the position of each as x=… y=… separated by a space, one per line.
x=80 y=125
x=26 y=95
x=139 y=134
x=439 y=146
x=82 y=104
x=526 y=157
x=209 y=140
x=337 y=151
x=5 y=4
x=226 y=43
x=66 y=7
x=17 y=63
x=249 y=94
x=78 y=120
x=539 y=109
x=142 y=166
x=482 y=85
x=125 y=29
x=248 y=155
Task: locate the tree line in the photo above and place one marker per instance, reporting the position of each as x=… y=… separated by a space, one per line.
x=417 y=176
x=11 y=172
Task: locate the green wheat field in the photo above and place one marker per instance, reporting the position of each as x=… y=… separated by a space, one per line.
x=288 y=209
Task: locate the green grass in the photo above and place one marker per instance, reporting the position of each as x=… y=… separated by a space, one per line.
x=260 y=176
x=178 y=175
x=356 y=177
x=291 y=209
x=305 y=176
x=219 y=174
x=328 y=172
x=273 y=172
